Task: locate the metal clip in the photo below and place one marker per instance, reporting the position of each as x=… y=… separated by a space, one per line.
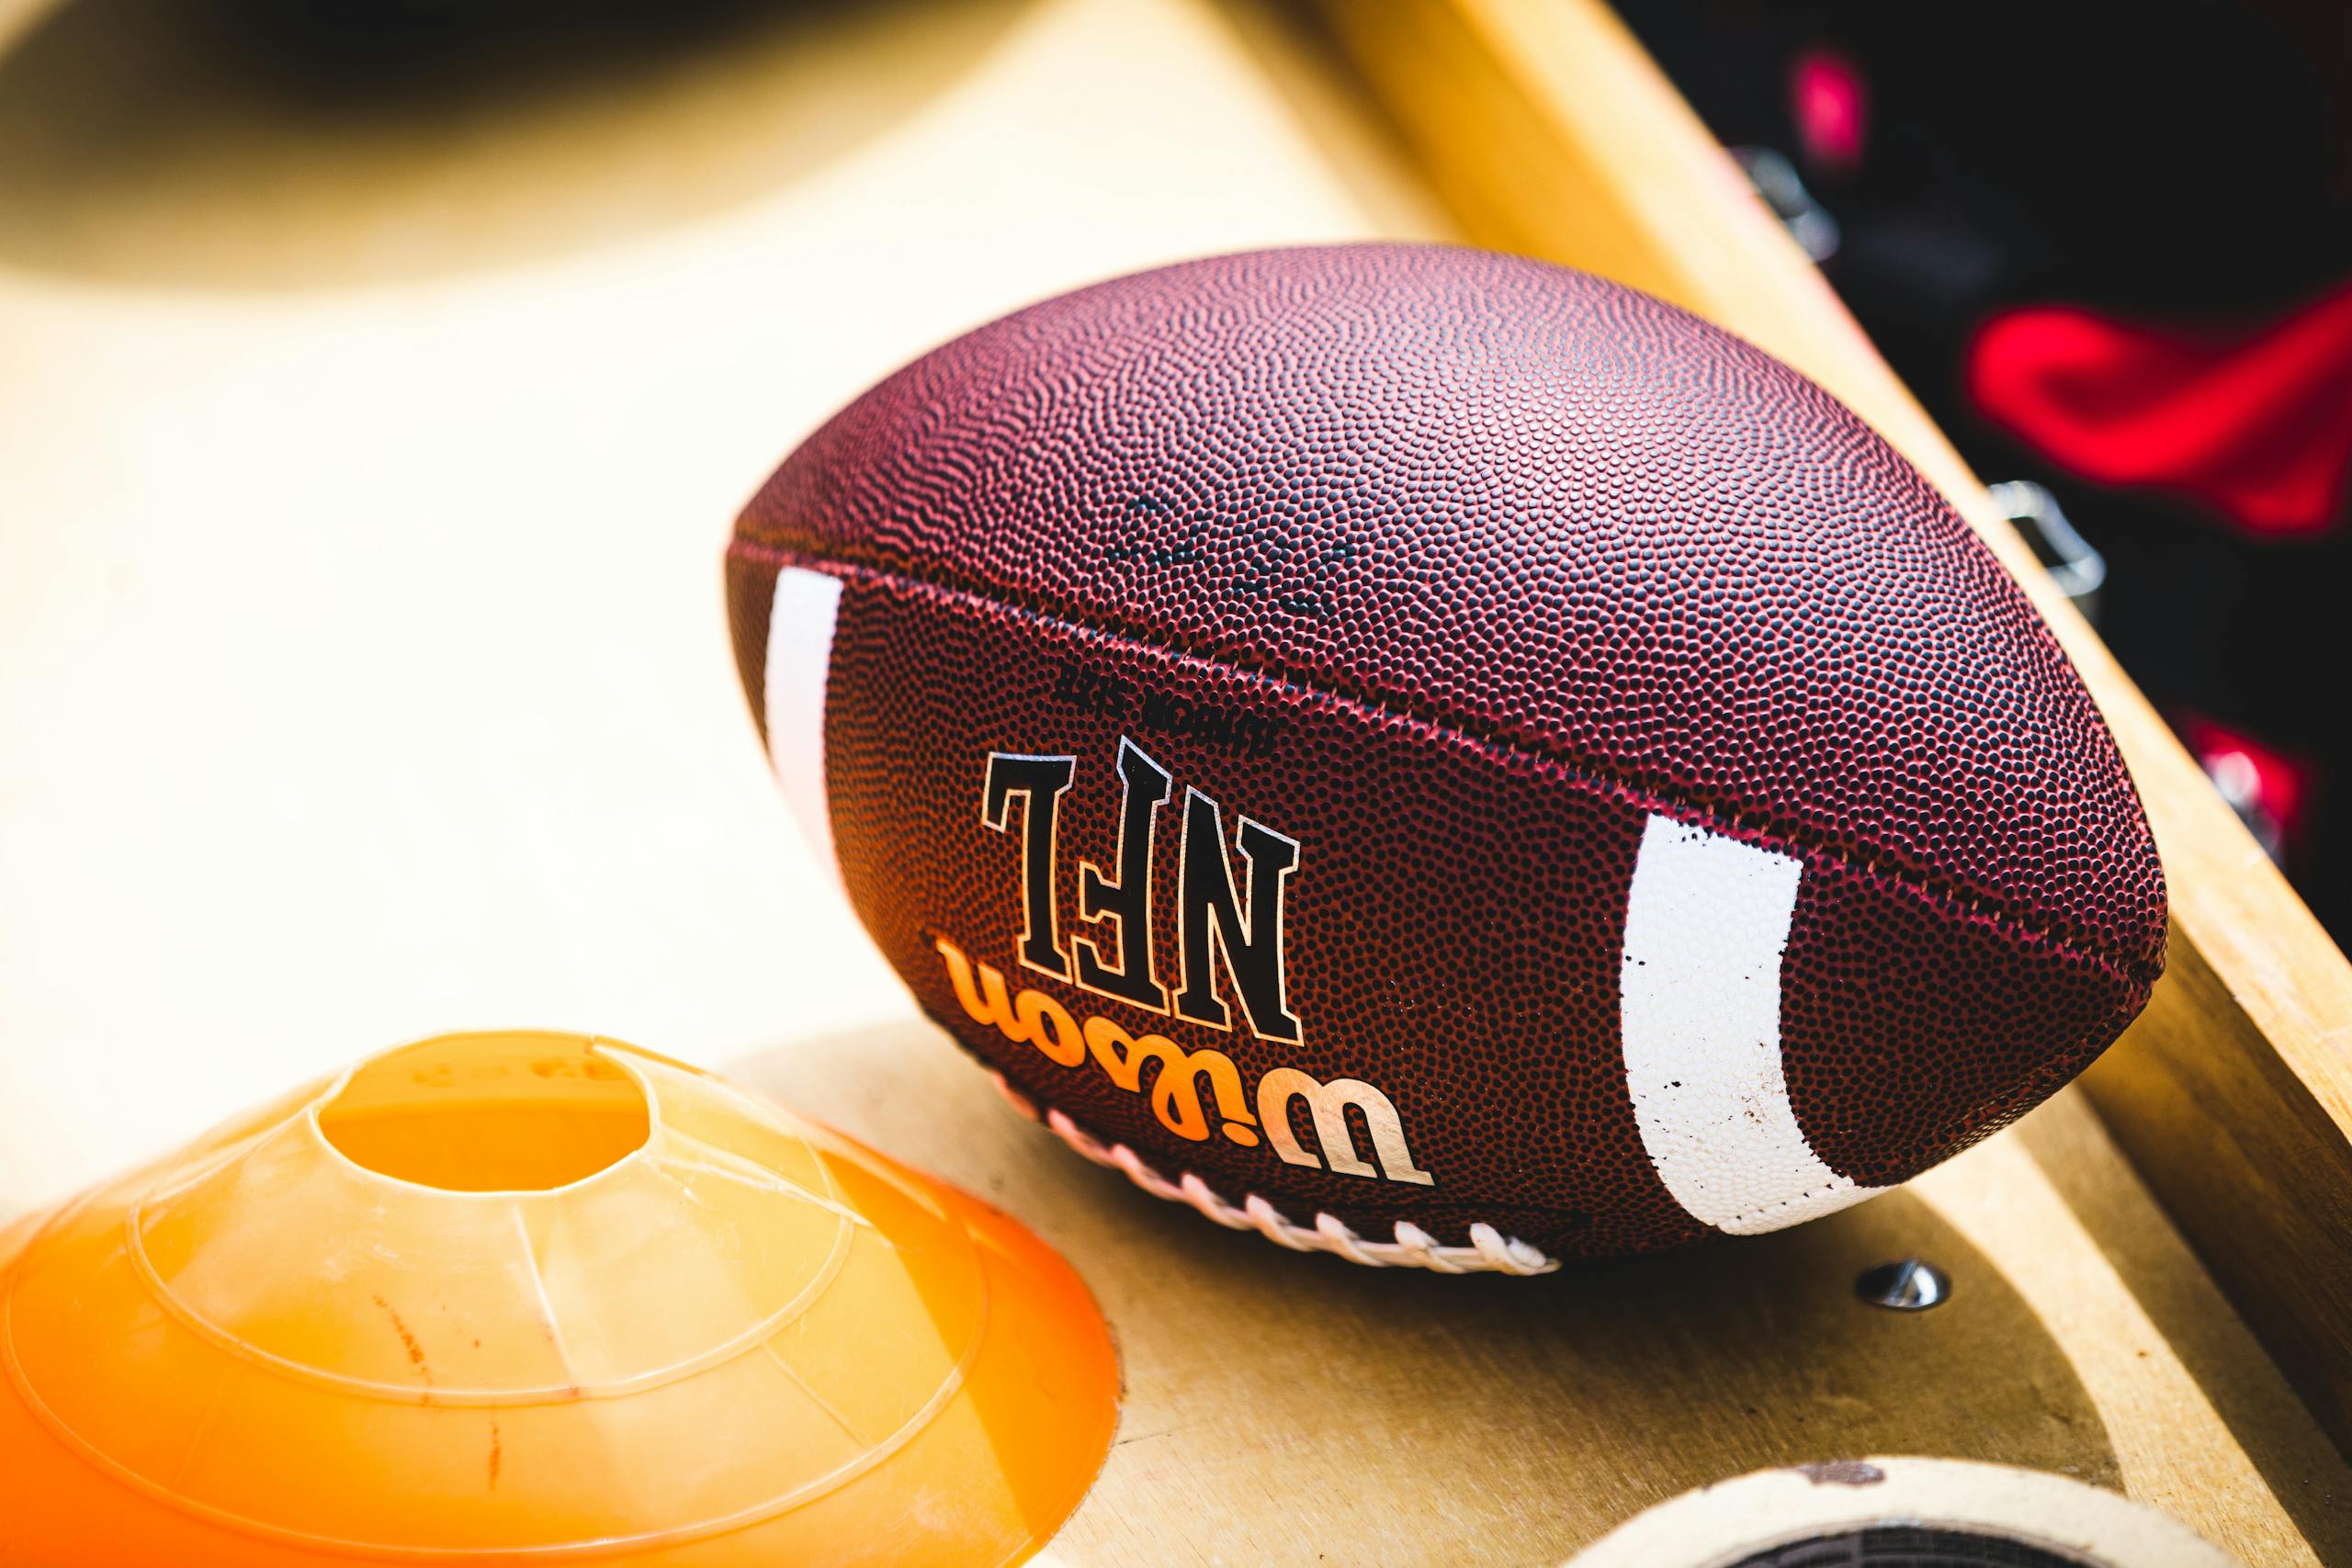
x=2078 y=569
x=1782 y=189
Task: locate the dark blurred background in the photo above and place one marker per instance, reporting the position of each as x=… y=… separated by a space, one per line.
x=2110 y=248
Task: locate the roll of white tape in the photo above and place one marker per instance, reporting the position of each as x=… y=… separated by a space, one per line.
x=1919 y=1513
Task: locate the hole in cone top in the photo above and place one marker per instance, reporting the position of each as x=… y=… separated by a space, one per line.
x=489 y=1113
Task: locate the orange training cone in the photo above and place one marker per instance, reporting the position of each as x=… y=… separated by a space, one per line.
x=522 y=1297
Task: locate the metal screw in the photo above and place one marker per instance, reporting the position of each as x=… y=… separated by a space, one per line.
x=1912 y=1284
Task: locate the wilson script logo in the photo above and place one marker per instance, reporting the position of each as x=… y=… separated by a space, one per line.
x=1110 y=954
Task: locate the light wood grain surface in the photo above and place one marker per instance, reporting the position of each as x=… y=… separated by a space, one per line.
x=362 y=669
x=363 y=673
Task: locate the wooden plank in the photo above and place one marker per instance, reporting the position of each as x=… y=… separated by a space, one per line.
x=1549 y=131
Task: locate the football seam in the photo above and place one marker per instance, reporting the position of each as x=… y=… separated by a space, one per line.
x=2137 y=974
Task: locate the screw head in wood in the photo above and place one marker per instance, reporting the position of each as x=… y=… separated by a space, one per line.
x=1908 y=1284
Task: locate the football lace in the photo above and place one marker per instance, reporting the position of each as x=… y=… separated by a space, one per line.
x=1490 y=1250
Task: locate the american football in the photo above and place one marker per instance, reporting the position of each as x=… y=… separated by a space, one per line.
x=1441 y=759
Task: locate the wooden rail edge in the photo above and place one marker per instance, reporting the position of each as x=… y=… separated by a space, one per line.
x=2233 y=1094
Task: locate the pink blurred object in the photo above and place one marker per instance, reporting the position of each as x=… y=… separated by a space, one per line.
x=2270 y=790
x=1830 y=102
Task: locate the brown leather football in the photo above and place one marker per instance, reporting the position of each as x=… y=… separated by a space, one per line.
x=1440 y=757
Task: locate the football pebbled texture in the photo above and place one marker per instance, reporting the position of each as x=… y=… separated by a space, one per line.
x=1391 y=736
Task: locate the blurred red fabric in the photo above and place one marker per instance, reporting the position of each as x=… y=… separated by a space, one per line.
x=2257 y=424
